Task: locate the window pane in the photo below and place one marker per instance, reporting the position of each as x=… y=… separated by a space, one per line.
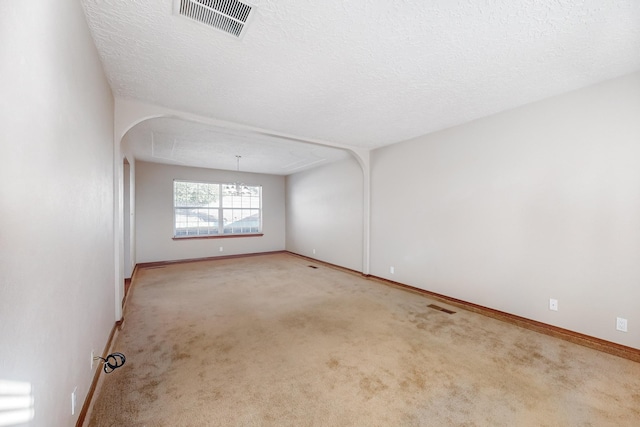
x=196 y=222
x=241 y=221
x=232 y=201
x=255 y=202
x=198 y=209
x=207 y=220
x=182 y=221
x=240 y=196
x=194 y=194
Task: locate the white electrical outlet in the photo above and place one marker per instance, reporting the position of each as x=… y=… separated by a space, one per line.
x=221 y=249
x=553 y=304
x=74 y=400
x=621 y=324
x=392 y=270
x=314 y=251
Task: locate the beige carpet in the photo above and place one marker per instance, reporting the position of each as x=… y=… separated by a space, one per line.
x=269 y=341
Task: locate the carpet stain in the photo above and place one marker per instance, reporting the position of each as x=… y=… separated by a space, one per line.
x=371 y=385
x=418 y=379
x=148 y=390
x=180 y=356
x=333 y=363
x=267 y=341
x=195 y=339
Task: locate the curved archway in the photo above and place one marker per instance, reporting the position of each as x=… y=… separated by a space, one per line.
x=130 y=113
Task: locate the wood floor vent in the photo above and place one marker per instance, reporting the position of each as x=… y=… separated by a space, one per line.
x=442 y=309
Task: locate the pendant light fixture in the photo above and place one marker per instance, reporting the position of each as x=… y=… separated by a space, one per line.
x=235 y=189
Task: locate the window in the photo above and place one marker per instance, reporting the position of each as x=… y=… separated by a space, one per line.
x=204 y=209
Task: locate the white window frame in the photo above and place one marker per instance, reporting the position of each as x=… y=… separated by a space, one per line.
x=225 y=228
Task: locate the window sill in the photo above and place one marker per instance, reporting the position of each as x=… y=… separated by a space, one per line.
x=221 y=236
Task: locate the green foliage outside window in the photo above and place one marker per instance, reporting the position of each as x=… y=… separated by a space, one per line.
x=196 y=194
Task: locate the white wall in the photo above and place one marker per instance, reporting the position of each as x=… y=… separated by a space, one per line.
x=507 y=211
x=128 y=205
x=127 y=219
x=56 y=186
x=324 y=212
x=154 y=214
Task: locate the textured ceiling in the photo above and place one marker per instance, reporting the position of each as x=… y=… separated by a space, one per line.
x=179 y=142
x=366 y=73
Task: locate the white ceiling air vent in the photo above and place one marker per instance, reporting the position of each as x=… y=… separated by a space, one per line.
x=230 y=16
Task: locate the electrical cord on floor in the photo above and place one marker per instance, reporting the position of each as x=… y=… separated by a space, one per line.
x=112 y=362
